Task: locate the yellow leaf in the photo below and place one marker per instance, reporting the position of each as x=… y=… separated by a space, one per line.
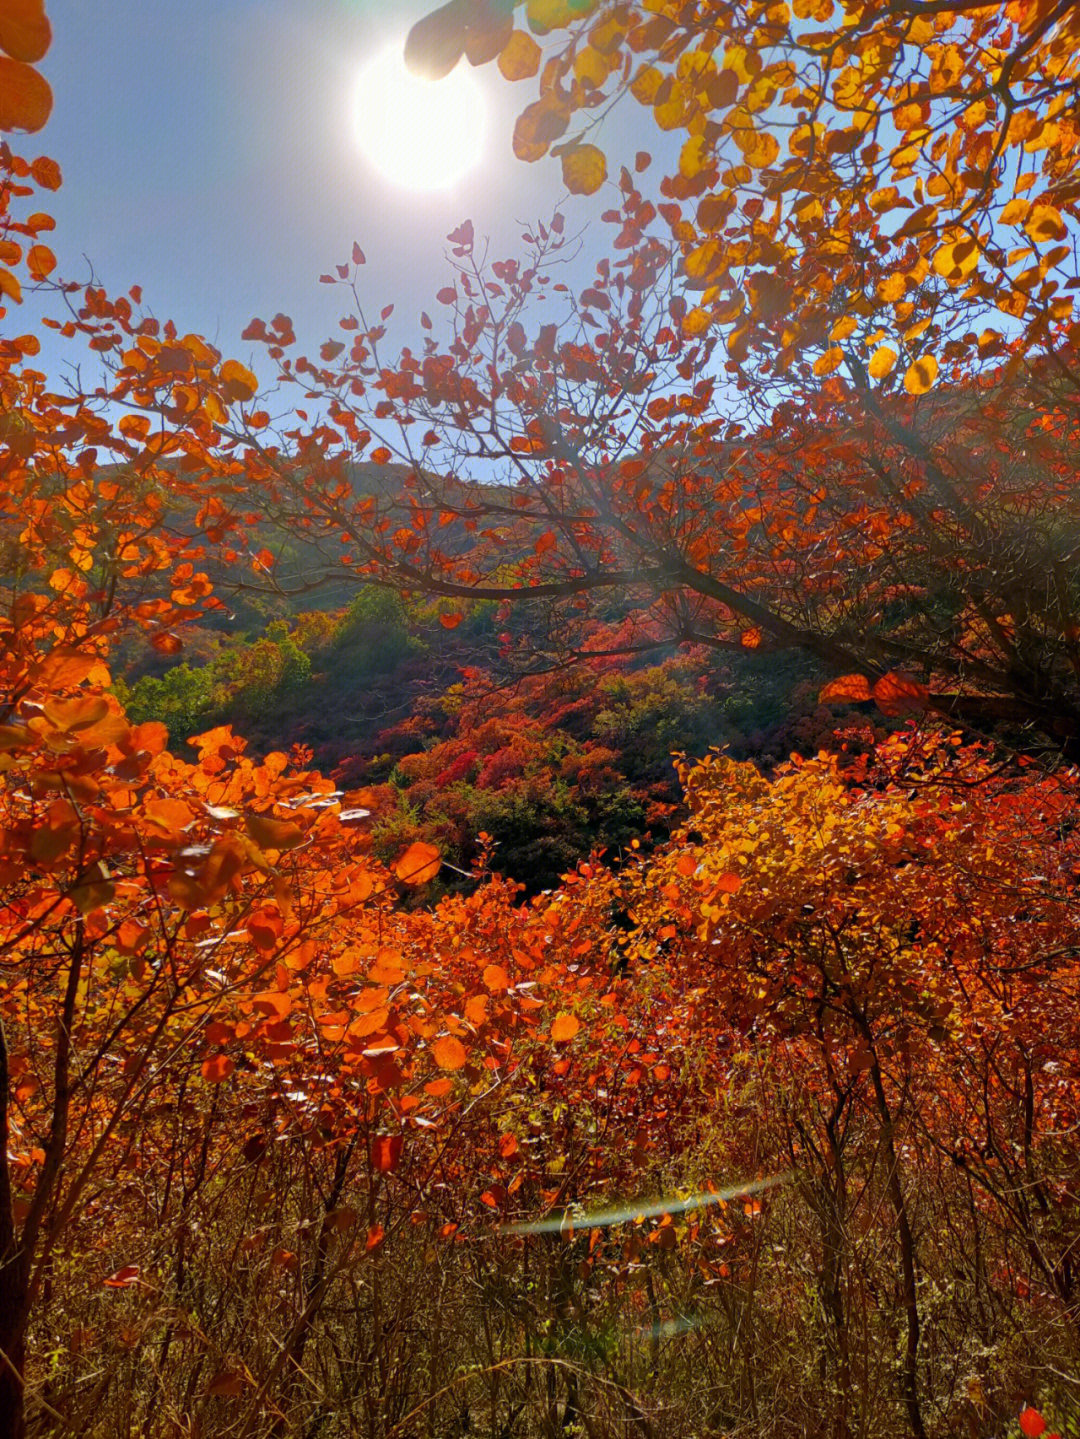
x=1044 y=223
x=704 y=261
x=885 y=199
x=646 y=84
x=956 y=261
x=881 y=362
x=520 y=58
x=759 y=148
x=921 y=375
x=694 y=157
x=696 y=322
x=590 y=67
x=829 y=361
x=1016 y=211
x=843 y=327
x=584 y=169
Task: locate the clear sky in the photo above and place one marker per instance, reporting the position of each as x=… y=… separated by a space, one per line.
x=208 y=155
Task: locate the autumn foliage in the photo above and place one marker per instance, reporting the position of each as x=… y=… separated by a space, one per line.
x=765 y=1125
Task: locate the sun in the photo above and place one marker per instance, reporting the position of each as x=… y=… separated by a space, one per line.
x=421 y=134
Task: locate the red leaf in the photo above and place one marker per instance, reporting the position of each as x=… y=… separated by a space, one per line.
x=1032 y=1423
x=385 y=1152
x=358 y=256
x=216 y=1069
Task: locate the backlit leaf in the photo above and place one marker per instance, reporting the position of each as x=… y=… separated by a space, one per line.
x=269 y=833
x=847 y=689
x=897 y=694
x=921 y=375
x=881 y=362
x=419 y=864
x=829 y=361
x=436 y=43
x=584 y=169
x=520 y=58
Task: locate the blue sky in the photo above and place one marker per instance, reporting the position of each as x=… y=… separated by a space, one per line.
x=208 y=156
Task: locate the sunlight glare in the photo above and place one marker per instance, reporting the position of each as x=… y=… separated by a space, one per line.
x=421 y=134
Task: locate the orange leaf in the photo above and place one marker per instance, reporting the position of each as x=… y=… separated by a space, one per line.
x=216 y=1069
x=238 y=375
x=9 y=286
x=848 y=689
x=496 y=978
x=564 y=1028
x=375 y=1236
x=25 y=97
x=829 y=361
x=46 y=173
x=897 y=694
x=167 y=644
x=40 y=261
x=584 y=169
x=419 y=864
x=273 y=833
x=450 y=622
x=449 y=1053
x=25 y=32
